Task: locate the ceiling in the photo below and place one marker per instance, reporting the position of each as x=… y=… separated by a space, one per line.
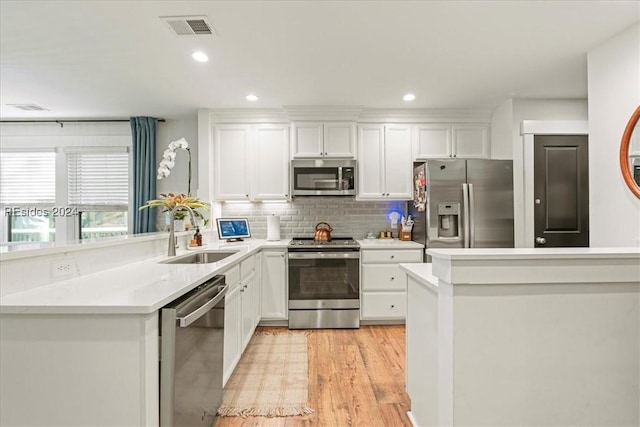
x=115 y=59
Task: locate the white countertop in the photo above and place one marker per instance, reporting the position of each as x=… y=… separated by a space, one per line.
x=536 y=265
x=17 y=250
x=136 y=288
x=422 y=273
x=388 y=244
x=533 y=253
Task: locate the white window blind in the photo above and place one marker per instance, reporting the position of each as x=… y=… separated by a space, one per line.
x=27 y=178
x=98 y=179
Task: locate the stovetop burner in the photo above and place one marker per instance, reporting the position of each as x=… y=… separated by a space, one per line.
x=336 y=242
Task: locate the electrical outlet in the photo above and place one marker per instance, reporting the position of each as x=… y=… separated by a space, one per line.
x=62 y=268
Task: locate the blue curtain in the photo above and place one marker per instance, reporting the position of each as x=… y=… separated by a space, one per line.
x=143 y=141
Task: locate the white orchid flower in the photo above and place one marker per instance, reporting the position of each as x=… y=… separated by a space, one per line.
x=163 y=172
x=169 y=164
x=169 y=155
x=180 y=143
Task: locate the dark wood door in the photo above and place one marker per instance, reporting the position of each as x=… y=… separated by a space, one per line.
x=561 y=190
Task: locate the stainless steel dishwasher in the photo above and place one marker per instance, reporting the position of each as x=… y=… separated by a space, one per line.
x=191 y=351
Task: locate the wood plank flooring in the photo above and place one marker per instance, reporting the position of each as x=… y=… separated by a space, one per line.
x=356 y=378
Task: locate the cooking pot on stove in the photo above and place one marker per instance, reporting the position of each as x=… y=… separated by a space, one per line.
x=323 y=234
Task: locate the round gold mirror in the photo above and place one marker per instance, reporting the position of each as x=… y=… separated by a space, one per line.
x=630 y=154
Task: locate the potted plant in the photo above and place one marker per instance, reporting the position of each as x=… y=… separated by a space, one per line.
x=170 y=200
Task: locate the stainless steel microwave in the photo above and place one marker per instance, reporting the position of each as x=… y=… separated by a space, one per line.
x=323 y=177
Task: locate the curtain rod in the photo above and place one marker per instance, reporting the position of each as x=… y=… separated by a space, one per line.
x=60 y=122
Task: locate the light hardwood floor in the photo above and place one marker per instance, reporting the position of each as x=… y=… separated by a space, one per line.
x=356 y=378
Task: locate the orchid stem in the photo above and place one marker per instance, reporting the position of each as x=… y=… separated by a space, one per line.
x=189 y=185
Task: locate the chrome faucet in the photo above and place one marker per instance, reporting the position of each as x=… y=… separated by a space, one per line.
x=172 y=235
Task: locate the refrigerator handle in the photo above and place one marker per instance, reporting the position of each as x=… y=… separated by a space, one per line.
x=465 y=213
x=472 y=216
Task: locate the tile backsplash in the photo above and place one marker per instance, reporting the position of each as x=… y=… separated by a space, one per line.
x=299 y=217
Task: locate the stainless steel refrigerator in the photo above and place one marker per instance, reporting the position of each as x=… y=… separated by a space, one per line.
x=463 y=203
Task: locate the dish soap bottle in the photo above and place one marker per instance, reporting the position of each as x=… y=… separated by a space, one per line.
x=198 y=237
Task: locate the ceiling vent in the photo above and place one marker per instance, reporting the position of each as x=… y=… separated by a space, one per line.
x=189 y=25
x=28 y=107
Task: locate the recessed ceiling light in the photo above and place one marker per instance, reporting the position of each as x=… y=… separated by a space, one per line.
x=200 y=56
x=409 y=97
x=252 y=98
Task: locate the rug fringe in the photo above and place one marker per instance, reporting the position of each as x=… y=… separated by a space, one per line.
x=264 y=412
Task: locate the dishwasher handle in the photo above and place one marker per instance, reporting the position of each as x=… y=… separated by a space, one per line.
x=189 y=318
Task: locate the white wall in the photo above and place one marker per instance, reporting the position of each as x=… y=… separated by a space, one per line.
x=614 y=93
x=502 y=131
x=507 y=142
x=171 y=130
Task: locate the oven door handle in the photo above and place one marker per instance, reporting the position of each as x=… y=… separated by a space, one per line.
x=324 y=255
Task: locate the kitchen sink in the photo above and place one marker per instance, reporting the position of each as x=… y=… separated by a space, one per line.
x=205 y=257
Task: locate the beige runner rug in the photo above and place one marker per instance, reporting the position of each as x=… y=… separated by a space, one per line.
x=271 y=379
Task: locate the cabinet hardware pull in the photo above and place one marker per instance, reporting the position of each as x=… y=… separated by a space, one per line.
x=393 y=278
x=392 y=306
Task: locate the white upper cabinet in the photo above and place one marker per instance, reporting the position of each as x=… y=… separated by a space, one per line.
x=231 y=159
x=441 y=140
x=470 y=141
x=251 y=162
x=323 y=140
x=271 y=165
x=385 y=164
x=432 y=141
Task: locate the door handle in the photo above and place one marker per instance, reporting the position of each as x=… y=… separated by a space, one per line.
x=465 y=214
x=472 y=217
x=541 y=240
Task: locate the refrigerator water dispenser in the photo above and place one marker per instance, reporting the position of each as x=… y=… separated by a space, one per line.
x=449 y=220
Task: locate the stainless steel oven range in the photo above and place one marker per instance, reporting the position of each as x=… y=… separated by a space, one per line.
x=324 y=283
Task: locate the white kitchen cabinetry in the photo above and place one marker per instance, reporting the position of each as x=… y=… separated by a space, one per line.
x=274 y=285
x=437 y=141
x=432 y=141
x=248 y=293
x=385 y=162
x=251 y=162
x=240 y=314
x=323 y=140
x=232 y=313
x=383 y=284
x=248 y=296
x=271 y=165
x=232 y=162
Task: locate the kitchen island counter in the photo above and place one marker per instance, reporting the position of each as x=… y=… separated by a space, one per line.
x=524 y=337
x=84 y=351
x=140 y=287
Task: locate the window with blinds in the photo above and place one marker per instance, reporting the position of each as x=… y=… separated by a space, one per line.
x=98 y=185
x=98 y=179
x=27 y=178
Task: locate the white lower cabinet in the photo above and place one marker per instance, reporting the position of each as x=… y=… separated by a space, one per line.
x=274 y=285
x=240 y=313
x=232 y=334
x=247 y=305
x=383 y=284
